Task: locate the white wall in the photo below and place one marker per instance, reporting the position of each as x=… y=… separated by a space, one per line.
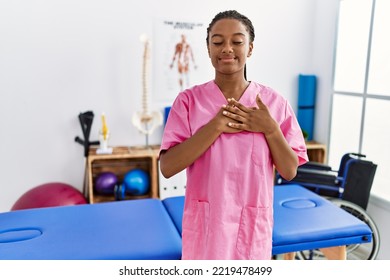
x=60 y=58
x=325 y=27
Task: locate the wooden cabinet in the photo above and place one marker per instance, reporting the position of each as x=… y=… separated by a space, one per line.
x=316 y=151
x=121 y=161
x=124 y=159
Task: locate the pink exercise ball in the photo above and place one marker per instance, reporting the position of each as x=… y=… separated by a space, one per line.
x=49 y=195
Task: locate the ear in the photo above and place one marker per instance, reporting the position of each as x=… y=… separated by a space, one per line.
x=250 y=49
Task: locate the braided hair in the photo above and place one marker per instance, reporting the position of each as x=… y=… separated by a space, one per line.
x=233 y=14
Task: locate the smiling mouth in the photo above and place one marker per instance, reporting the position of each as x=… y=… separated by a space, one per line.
x=227 y=59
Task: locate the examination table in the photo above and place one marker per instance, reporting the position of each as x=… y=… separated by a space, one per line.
x=151 y=228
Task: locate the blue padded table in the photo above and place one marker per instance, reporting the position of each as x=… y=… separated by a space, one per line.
x=303 y=220
x=137 y=229
x=175 y=208
x=151 y=228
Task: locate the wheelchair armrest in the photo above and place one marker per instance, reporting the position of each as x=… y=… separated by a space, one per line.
x=316 y=166
x=320 y=177
x=316 y=172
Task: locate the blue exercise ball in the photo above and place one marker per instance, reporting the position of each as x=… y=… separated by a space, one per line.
x=136 y=182
x=105 y=182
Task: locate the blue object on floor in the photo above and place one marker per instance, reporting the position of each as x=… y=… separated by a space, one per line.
x=307 y=87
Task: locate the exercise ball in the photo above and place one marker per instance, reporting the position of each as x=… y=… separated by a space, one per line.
x=136 y=182
x=49 y=195
x=105 y=183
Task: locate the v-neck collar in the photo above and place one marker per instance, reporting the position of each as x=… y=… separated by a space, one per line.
x=246 y=97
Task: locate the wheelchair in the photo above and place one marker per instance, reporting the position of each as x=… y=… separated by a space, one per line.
x=349 y=188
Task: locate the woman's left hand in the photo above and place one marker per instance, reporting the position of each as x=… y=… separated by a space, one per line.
x=254 y=119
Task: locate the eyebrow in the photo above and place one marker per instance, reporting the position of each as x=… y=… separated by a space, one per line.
x=235 y=34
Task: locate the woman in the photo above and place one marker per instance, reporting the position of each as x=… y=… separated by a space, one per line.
x=230 y=134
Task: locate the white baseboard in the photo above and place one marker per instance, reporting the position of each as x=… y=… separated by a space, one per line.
x=379 y=202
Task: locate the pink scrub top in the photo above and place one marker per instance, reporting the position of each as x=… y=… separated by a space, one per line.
x=228 y=210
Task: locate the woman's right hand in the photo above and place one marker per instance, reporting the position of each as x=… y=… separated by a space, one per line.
x=185 y=153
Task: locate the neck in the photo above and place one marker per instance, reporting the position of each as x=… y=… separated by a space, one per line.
x=231 y=87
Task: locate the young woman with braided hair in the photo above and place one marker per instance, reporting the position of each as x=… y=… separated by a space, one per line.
x=230 y=134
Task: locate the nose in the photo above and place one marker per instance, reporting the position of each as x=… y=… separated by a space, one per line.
x=227 y=48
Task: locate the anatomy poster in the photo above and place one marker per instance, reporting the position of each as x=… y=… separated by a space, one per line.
x=179 y=59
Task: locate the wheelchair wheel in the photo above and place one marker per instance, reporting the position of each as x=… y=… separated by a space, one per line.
x=363 y=251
